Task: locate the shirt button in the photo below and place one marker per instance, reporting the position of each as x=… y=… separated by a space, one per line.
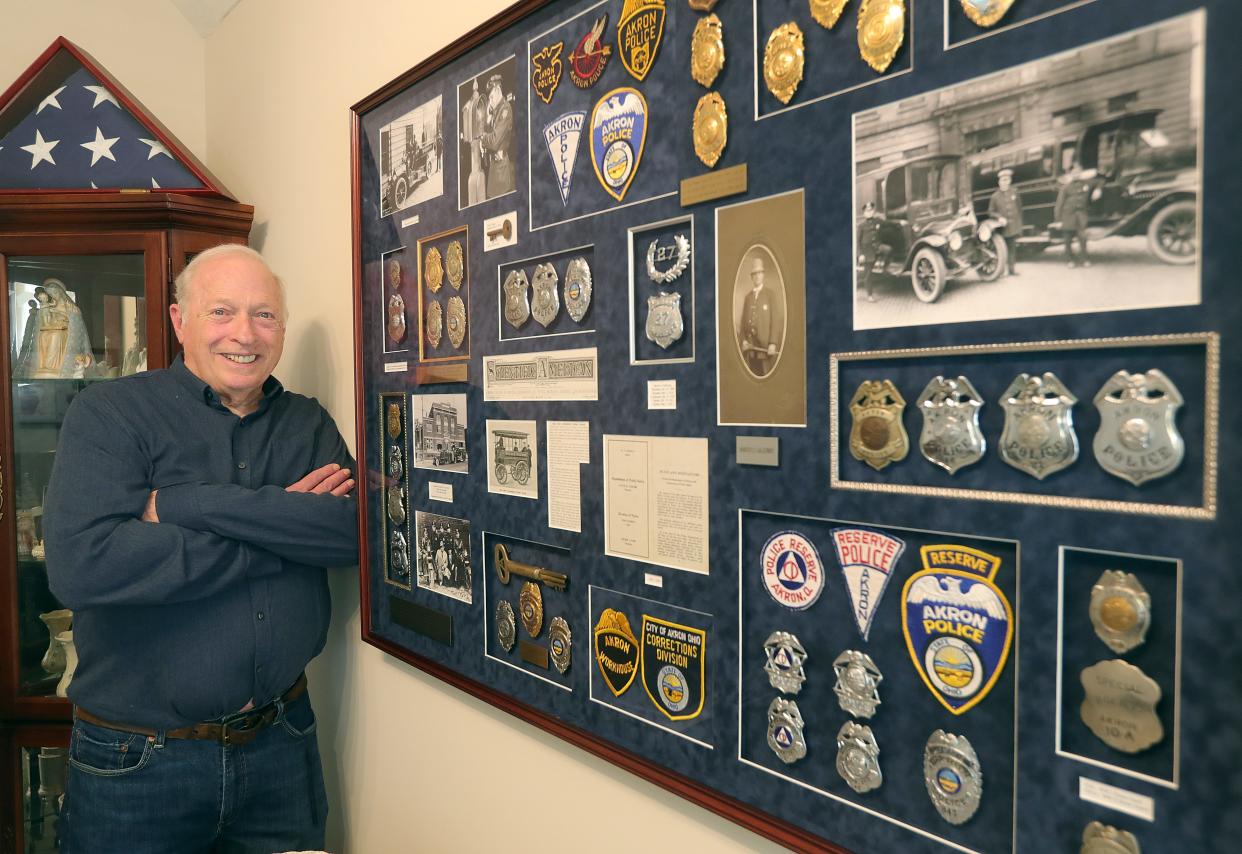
x=241 y=465
x=260 y=615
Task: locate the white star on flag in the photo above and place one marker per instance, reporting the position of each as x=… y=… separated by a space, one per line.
x=156 y=148
x=101 y=95
x=50 y=100
x=155 y=185
x=41 y=150
x=100 y=147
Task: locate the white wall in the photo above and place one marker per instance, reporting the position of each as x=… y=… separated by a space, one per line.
x=412 y=765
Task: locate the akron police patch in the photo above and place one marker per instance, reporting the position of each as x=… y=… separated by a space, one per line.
x=867 y=560
x=792 y=572
x=957 y=623
x=618 y=136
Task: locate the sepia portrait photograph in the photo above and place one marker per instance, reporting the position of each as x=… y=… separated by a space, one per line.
x=442 y=544
x=485 y=135
x=412 y=157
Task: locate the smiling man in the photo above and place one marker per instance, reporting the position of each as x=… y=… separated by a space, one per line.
x=189 y=518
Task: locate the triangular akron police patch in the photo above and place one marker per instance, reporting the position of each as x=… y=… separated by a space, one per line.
x=561 y=136
x=618 y=135
x=958 y=624
x=867 y=561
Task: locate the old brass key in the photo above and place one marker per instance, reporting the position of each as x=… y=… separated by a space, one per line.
x=506 y=568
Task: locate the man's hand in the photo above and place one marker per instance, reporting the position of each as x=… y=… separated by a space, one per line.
x=148 y=512
x=331 y=479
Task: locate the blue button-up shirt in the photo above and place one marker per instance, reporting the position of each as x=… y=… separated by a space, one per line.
x=225 y=599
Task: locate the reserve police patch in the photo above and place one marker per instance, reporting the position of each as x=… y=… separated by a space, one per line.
x=957 y=623
x=792 y=572
x=673 y=663
x=618 y=135
x=867 y=561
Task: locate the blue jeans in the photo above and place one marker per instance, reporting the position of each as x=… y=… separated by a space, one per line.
x=136 y=794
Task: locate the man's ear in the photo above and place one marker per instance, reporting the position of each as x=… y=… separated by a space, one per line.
x=178 y=321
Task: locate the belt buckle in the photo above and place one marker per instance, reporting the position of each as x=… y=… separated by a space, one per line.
x=241 y=729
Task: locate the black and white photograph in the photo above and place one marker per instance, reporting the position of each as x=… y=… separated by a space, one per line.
x=412 y=157
x=439 y=432
x=1063 y=186
x=485 y=166
x=443 y=562
x=759 y=310
x=513 y=458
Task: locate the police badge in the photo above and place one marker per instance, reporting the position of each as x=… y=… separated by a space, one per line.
x=785 y=730
x=394 y=421
x=616 y=651
x=1120 y=610
x=985 y=13
x=561 y=136
x=878 y=437
x=827 y=12
x=1138 y=440
x=881 y=30
x=547 y=302
x=456 y=316
x=710 y=129
x=867 y=561
x=399 y=555
x=792 y=572
x=951 y=437
x=517 y=304
x=435 y=323
x=1039 y=436
x=953 y=776
x=1098 y=838
x=545 y=70
x=858 y=683
x=396 y=319
x=638 y=35
x=673 y=665
x=783 y=59
x=394 y=273
x=707 y=55
x=664 y=324
x=433 y=270
x=506 y=628
x=577 y=288
x=530 y=606
x=560 y=644
x=858 y=757
x=395 y=467
x=679 y=251
x=618 y=137
x=1120 y=706
x=587 y=61
x=455 y=264
x=396 y=505
x=957 y=623
x=784 y=665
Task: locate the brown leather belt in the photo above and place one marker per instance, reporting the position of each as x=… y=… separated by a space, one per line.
x=240 y=730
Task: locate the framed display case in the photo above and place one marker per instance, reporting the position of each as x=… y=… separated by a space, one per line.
x=845 y=406
x=34 y=761
x=87 y=283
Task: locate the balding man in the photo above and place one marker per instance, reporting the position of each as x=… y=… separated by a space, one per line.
x=189 y=518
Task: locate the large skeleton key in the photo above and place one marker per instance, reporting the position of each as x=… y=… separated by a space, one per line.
x=506 y=568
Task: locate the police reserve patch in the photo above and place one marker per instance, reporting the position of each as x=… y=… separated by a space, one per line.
x=792 y=572
x=618 y=135
x=957 y=623
x=867 y=561
x=673 y=665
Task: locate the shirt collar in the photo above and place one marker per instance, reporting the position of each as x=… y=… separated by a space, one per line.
x=272 y=387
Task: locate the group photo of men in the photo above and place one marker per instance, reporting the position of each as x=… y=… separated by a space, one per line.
x=443 y=548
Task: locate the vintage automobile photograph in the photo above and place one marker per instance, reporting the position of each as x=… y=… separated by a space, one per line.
x=1066 y=185
x=512 y=458
x=439 y=422
x=411 y=152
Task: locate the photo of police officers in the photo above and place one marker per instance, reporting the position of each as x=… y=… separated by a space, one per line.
x=759 y=311
x=485 y=135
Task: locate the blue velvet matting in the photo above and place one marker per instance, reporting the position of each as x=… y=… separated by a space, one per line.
x=1031 y=801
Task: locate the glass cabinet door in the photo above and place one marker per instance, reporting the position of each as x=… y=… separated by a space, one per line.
x=73 y=320
x=34 y=762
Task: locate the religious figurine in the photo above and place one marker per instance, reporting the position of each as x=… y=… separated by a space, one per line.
x=55 y=344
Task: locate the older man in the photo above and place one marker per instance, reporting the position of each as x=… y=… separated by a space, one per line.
x=758 y=331
x=190 y=515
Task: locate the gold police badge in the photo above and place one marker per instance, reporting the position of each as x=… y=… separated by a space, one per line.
x=878 y=437
x=394 y=420
x=455 y=264
x=881 y=31
x=435 y=323
x=783 y=59
x=433 y=270
x=707 y=55
x=456 y=321
x=711 y=128
x=639 y=30
x=827 y=12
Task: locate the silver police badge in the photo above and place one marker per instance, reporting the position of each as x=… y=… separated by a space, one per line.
x=784 y=665
x=577 y=289
x=560 y=643
x=664 y=324
x=785 y=730
x=953 y=776
x=399 y=554
x=951 y=437
x=1120 y=706
x=679 y=253
x=506 y=626
x=547 y=302
x=1137 y=440
x=858 y=757
x=396 y=505
x=858 y=682
x=1100 y=838
x=1120 y=610
x=395 y=468
x=517 y=304
x=1039 y=436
